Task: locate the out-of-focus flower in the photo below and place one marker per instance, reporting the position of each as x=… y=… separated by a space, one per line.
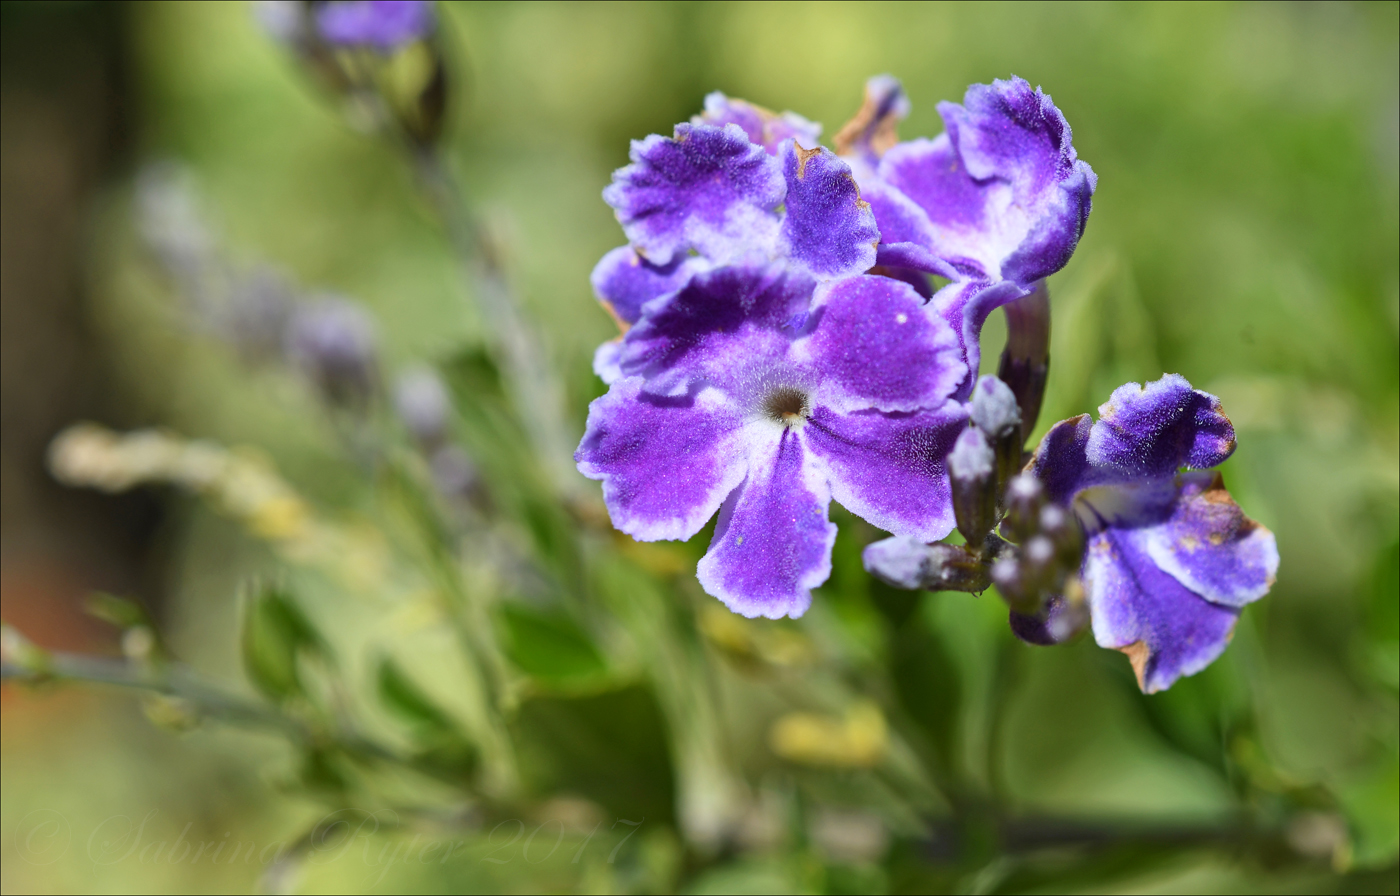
x=1171 y=559
x=385 y=25
x=333 y=341
x=995 y=204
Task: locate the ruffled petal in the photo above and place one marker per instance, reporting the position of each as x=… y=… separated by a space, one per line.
x=708 y=189
x=827 y=227
x=764 y=127
x=889 y=469
x=666 y=463
x=1211 y=547
x=1003 y=187
x=624 y=281
x=718 y=326
x=877 y=347
x=607 y=361
x=773 y=541
x=1166 y=630
x=965 y=306
x=874 y=129
x=1156 y=430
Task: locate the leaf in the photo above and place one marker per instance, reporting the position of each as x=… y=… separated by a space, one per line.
x=405 y=699
x=551 y=648
x=275 y=635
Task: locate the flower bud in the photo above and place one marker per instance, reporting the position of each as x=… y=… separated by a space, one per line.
x=1024 y=499
x=904 y=562
x=1060 y=620
x=333 y=342
x=972 y=471
x=422 y=403
x=993 y=410
x=1025 y=361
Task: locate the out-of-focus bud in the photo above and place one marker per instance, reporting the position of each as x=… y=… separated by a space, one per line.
x=1063 y=617
x=1024 y=499
x=1025 y=361
x=254 y=316
x=171 y=223
x=993 y=410
x=454 y=474
x=972 y=471
x=422 y=403
x=904 y=562
x=333 y=341
x=385 y=25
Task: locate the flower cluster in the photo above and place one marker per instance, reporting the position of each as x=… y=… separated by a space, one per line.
x=782 y=346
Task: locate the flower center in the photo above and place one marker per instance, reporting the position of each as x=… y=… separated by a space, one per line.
x=787 y=405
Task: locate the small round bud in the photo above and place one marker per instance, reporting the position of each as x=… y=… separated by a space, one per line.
x=1052 y=519
x=333 y=342
x=971 y=458
x=993 y=407
x=1039 y=552
x=422 y=403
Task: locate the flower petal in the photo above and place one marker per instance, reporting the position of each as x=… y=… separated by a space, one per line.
x=1211 y=547
x=717 y=326
x=875 y=127
x=965 y=306
x=1165 y=629
x=766 y=128
x=827 y=228
x=708 y=189
x=1003 y=187
x=624 y=281
x=889 y=469
x=877 y=347
x=772 y=544
x=1156 y=430
x=666 y=463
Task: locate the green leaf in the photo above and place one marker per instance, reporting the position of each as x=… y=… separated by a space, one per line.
x=276 y=633
x=119 y=611
x=405 y=699
x=551 y=648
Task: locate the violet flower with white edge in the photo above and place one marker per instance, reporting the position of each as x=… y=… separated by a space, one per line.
x=769 y=375
x=995 y=204
x=1171 y=559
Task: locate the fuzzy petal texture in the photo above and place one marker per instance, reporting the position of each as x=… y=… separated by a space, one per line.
x=667 y=463
x=828 y=228
x=1211 y=547
x=707 y=189
x=966 y=306
x=624 y=281
x=717 y=327
x=773 y=541
x=890 y=469
x=1166 y=630
x=877 y=348
x=767 y=129
x=1157 y=429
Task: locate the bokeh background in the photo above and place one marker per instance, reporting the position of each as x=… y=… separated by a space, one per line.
x=1244 y=234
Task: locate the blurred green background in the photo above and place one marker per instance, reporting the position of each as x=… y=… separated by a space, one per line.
x=1244 y=235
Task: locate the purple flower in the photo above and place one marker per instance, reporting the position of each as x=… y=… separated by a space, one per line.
x=1171 y=559
x=761 y=373
x=994 y=204
x=712 y=196
x=385 y=25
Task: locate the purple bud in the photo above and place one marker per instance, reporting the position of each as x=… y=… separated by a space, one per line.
x=907 y=563
x=422 y=403
x=385 y=25
x=1025 y=362
x=993 y=407
x=333 y=342
x=972 y=471
x=1059 y=621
